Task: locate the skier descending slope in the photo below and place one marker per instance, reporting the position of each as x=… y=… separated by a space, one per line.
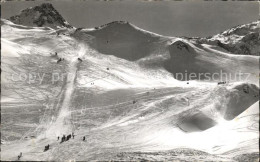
x=19 y=156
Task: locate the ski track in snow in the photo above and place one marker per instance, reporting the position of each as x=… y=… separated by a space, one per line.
x=61 y=124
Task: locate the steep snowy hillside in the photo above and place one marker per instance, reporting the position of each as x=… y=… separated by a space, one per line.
x=205 y=63
x=43 y=15
x=123 y=40
x=177 y=56
x=107 y=98
x=118 y=89
x=242 y=39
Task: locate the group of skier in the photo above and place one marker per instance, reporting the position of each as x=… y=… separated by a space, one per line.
x=66 y=138
x=63 y=139
x=62 y=59
x=221 y=83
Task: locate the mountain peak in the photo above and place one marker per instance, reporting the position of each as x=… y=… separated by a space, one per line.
x=244 y=29
x=115 y=24
x=42 y=15
x=241 y=39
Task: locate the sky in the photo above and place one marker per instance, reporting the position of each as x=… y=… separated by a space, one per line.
x=169 y=18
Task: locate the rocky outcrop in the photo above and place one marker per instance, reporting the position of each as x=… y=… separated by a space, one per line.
x=39 y=16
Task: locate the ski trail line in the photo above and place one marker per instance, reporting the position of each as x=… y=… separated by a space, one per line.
x=63 y=124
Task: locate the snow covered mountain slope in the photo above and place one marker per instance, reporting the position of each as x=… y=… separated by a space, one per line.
x=123 y=40
x=117 y=86
x=104 y=96
x=43 y=15
x=242 y=39
x=176 y=55
x=191 y=59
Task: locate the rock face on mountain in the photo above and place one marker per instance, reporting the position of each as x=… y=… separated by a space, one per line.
x=242 y=39
x=39 y=16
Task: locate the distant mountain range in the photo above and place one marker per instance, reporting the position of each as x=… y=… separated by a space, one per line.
x=242 y=39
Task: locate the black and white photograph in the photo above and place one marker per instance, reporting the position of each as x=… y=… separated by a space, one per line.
x=130 y=80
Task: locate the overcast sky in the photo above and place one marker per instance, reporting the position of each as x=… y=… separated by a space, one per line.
x=169 y=18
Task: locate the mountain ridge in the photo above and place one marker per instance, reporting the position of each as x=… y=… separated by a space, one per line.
x=39 y=16
x=241 y=39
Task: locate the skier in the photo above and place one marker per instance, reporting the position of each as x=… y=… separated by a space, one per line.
x=58 y=138
x=46 y=147
x=63 y=139
x=80 y=59
x=84 y=138
x=68 y=137
x=59 y=60
x=73 y=135
x=19 y=156
x=56 y=54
